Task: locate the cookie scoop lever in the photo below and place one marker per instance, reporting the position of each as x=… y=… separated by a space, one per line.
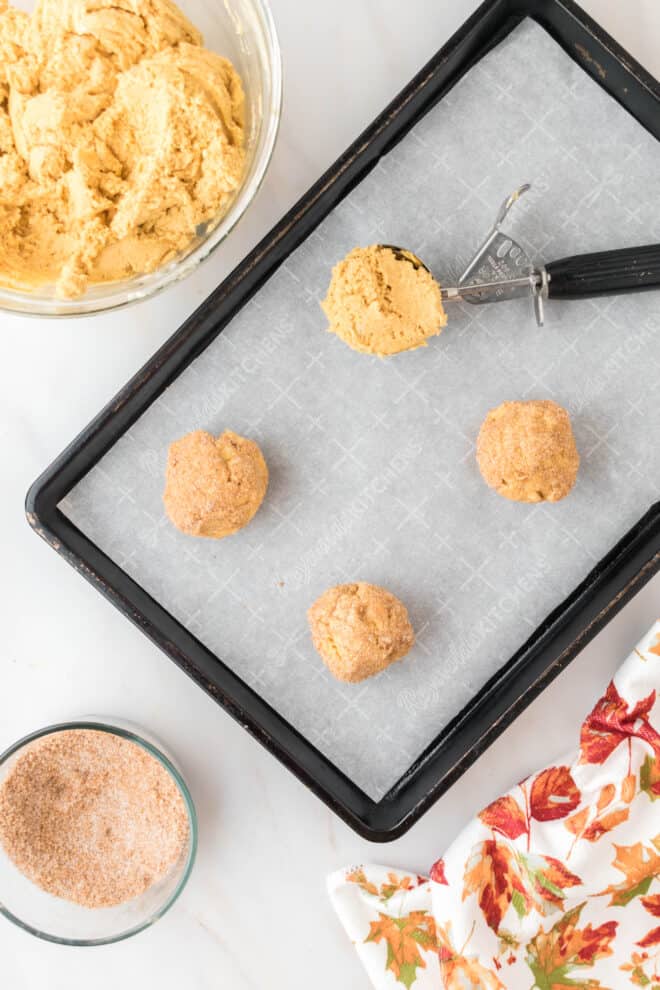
x=501 y=269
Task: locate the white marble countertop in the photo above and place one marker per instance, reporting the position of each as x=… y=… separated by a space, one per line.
x=255 y=914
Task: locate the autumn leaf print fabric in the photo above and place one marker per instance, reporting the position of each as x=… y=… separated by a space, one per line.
x=554 y=886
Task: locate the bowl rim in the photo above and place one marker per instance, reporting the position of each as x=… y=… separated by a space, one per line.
x=193 y=833
x=17 y=303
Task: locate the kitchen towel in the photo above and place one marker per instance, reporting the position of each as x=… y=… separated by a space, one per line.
x=554 y=886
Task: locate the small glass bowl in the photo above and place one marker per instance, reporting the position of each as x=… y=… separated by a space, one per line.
x=56 y=920
x=244 y=32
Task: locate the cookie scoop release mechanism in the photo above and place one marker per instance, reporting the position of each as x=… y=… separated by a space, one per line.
x=502 y=269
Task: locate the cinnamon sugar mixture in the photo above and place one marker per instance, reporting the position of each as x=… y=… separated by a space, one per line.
x=91 y=817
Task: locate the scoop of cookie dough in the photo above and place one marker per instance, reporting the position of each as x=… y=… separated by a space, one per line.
x=526 y=451
x=382 y=301
x=359 y=629
x=214 y=486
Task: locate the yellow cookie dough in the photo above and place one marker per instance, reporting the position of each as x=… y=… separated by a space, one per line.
x=359 y=629
x=383 y=301
x=214 y=486
x=526 y=451
x=119 y=136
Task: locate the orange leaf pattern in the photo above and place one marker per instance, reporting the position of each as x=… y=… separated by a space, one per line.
x=640 y=865
x=554 y=794
x=359 y=877
x=638 y=967
x=589 y=827
x=599 y=826
x=437 y=873
x=553 y=886
x=404 y=937
x=606 y=796
x=553 y=955
x=506 y=817
x=492 y=874
x=652 y=905
x=550 y=880
x=649 y=777
x=628 y=788
x=502 y=877
x=652 y=938
x=461 y=973
x=577 y=822
x=393 y=884
x=612 y=722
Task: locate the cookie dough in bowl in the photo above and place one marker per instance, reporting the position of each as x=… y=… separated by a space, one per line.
x=359 y=629
x=526 y=451
x=382 y=300
x=121 y=135
x=214 y=485
x=130 y=143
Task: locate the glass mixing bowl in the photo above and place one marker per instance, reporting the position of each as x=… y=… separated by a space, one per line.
x=243 y=31
x=57 y=920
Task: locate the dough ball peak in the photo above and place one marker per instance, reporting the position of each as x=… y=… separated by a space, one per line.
x=359 y=629
x=526 y=451
x=214 y=485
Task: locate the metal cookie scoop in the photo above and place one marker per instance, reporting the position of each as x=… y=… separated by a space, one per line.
x=501 y=270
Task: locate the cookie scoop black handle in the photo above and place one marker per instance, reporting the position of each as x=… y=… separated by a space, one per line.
x=606 y=273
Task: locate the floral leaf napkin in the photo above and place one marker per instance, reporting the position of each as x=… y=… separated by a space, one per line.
x=554 y=886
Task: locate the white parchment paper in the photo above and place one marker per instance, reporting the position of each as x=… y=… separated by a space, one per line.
x=373 y=474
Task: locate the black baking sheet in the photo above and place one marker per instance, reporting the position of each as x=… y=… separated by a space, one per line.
x=464 y=734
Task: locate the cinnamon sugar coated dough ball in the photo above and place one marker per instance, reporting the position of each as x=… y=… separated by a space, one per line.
x=359 y=629
x=526 y=451
x=383 y=301
x=214 y=486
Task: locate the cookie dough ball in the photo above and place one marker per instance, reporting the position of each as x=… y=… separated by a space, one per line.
x=359 y=629
x=382 y=301
x=526 y=451
x=214 y=486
